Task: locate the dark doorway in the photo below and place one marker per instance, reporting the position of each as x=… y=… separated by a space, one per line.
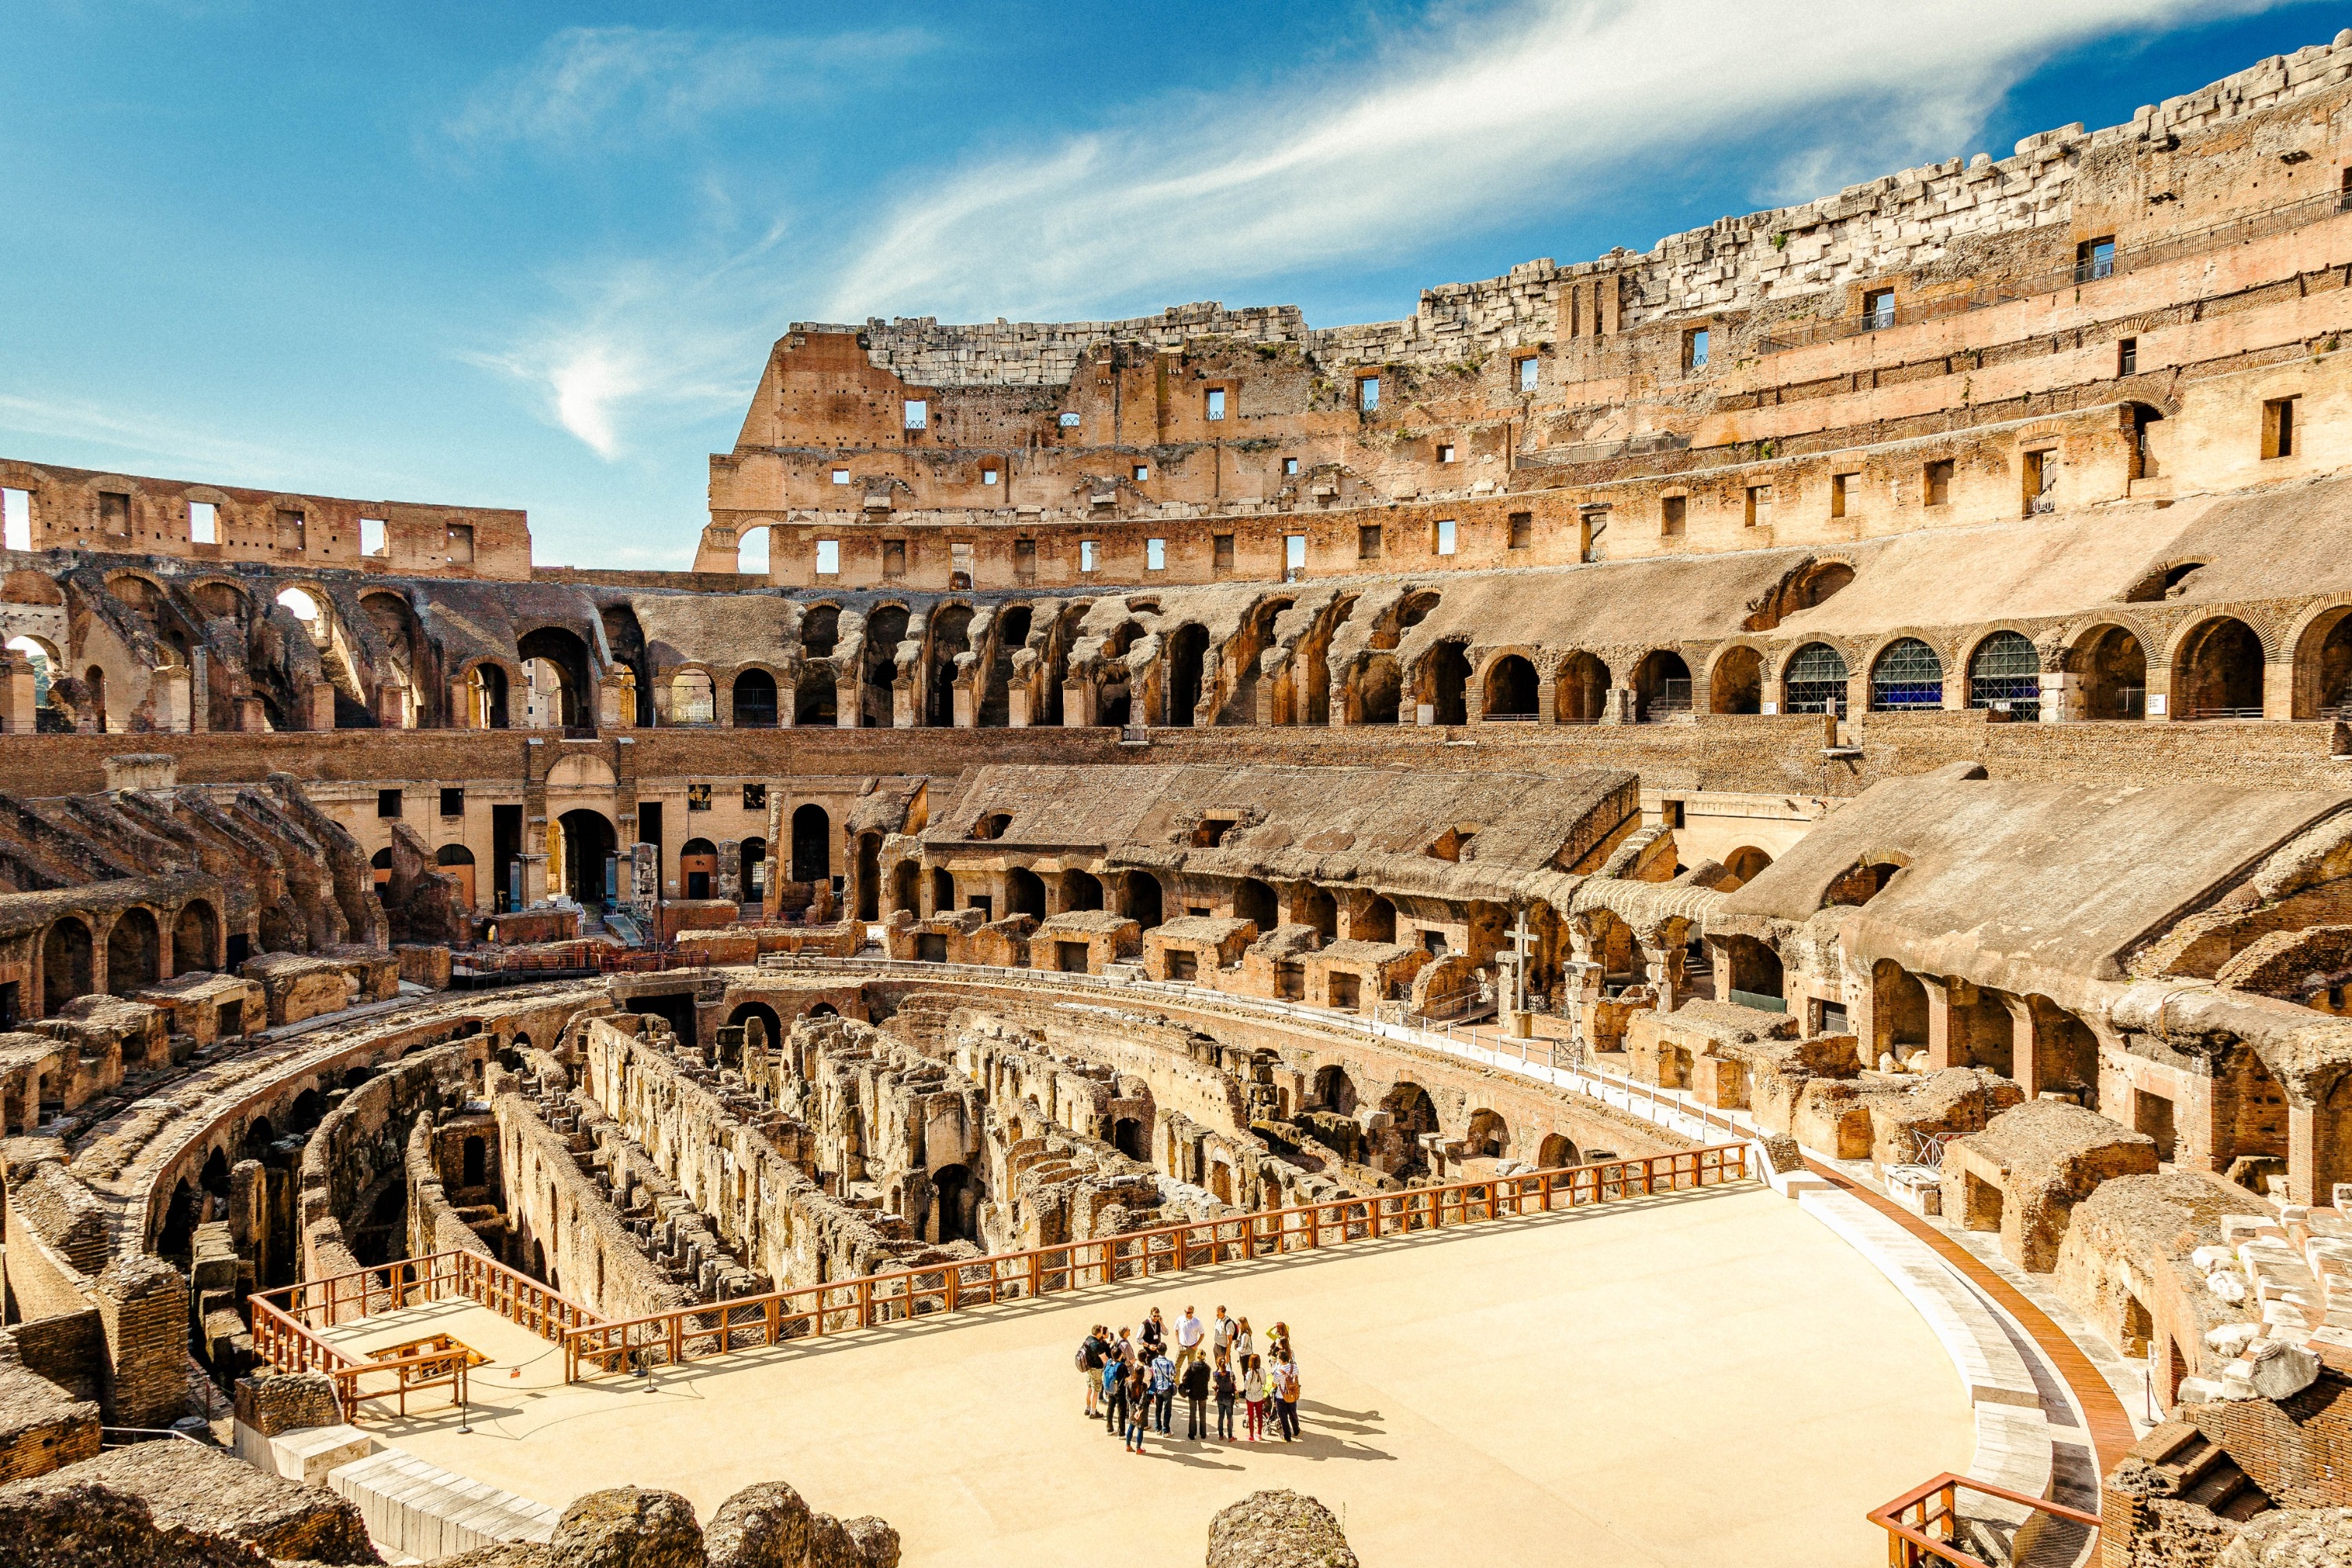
x=812 y=845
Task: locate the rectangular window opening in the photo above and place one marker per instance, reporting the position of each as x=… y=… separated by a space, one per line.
x=1671 y=513
x=1155 y=555
x=372 y=539
x=1839 y=486
x=988 y=476
x=1086 y=555
x=453 y=802
x=1294 y=554
x=387 y=802
x=1222 y=557
x=1142 y=472
x=293 y=530
x=1938 y=482
x=1025 y=560
x=2095 y=259
x=1523 y=531
x=16 y=519
x=1759 y=503
x=203 y=524
x=1445 y=452
x=894 y=558
x=461 y=544
x=1290 y=466
x=1695 y=346
x=828 y=557
x=918 y=413
x=1878 y=308
x=1070 y=421
x=1216 y=403
x=1529 y=369
x=1368 y=542
x=114 y=512
x=1444 y=544
x=2278 y=426
x=841 y=476
x=2127 y=356
x=2040 y=482
x=1368 y=394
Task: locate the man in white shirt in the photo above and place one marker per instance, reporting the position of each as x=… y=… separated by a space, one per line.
x=1188 y=1338
x=1222 y=1332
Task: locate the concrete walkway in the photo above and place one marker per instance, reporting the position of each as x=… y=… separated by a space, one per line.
x=1699 y=1379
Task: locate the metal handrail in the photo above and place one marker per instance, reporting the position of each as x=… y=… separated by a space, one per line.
x=1910 y=1520
x=746 y=1322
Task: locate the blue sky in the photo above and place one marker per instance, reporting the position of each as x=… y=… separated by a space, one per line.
x=532 y=255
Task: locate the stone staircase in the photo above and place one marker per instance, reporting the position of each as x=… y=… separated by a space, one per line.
x=2294 y=1274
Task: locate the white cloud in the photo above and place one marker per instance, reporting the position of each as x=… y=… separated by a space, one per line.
x=588 y=84
x=1458 y=125
x=105 y=426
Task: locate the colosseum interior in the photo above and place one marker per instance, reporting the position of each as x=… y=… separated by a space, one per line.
x=1756 y=835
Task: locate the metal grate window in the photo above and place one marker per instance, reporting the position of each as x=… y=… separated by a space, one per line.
x=2005 y=671
x=1908 y=675
x=1816 y=680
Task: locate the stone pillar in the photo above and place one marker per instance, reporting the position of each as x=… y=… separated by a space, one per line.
x=2061 y=697
x=1547 y=700
x=1948 y=1044
x=1077 y=704
x=391 y=706
x=1618 y=706
x=16 y=685
x=2025 y=1036
x=905 y=704
x=966 y=704
x=320 y=710
x=200 y=685
x=1016 y=697
x=2278 y=691
x=788 y=705
x=2159 y=689
x=534 y=878
x=143 y=1310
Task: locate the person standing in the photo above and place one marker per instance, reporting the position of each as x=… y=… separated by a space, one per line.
x=1138 y=1384
x=1154 y=1335
x=1116 y=1366
x=1286 y=1395
x=1244 y=1343
x=1190 y=1332
x=1221 y=1334
x=1224 y=1388
x=1196 y=1398
x=1163 y=1392
x=1093 y=1351
x=1253 y=1391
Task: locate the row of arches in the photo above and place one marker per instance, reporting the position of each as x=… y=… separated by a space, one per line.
x=139 y=947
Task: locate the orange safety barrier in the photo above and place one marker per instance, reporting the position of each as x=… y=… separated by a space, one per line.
x=1923 y=1525
x=285 y=1321
x=748 y=1323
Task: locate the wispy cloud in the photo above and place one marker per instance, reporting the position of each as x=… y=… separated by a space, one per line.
x=110 y=426
x=1466 y=124
x=623 y=86
x=1473 y=121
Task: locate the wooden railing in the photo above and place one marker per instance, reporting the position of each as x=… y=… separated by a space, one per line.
x=285 y=1321
x=749 y=1322
x=1923 y=1526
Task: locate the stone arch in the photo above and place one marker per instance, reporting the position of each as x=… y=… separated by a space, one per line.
x=134 y=957
x=1580 y=689
x=812 y=843
x=752 y=698
x=2322 y=642
x=697 y=868
x=1254 y=900
x=1906 y=673
x=590 y=842
x=1744 y=863
x=485 y=683
x=1489 y=1137
x=1557 y=1152
x=693 y=695
x=1317 y=906
x=943 y=893
x=869 y=876
x=1141 y=898
x=2004 y=666
x=885 y=628
x=950 y=638
x=1444 y=681
x=1188 y=651
x=1413 y=1115
x=816 y=697
x=566 y=653
x=1025 y=893
x=1376 y=922
x=196 y=938
x=1335 y=1091
x=1379 y=691
x=2109 y=663
x=755 y=548
x=66 y=954
x=906 y=887
x=1508 y=689
x=1008 y=634
x=1814 y=680
x=2217 y=670
x=1735 y=680
x=1081 y=889
x=1661 y=685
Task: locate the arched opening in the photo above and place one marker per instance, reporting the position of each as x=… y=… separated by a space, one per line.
x=1335 y=1091
x=1736 y=685
x=1317 y=908
x=1557 y=1152
x=751 y=550
x=2323 y=668
x=821 y=630
x=754 y=699
x=1662 y=686
x=906 y=882
x=258 y=1136
x=1816 y=680
x=1128 y=1137
x=94 y=680
x=812 y=698
x=1743 y=864
x=1446 y=683
x=1412 y=1116
x=869 y=876
x=43 y=660
x=1140 y=898
x=1081 y=890
x=1489 y=1137
x=995 y=698
x=955 y=1206
x=485 y=697
x=214 y=1177
x=2219 y=672
x=1253 y=901
x=588 y=849
x=950 y=638
x=1511 y=692
x=172 y=1242
x=1188 y=651
x=65 y=963
x=1025 y=893
x=943 y=897
x=812 y=843
x=1580 y=690
x=1377 y=923
x=133 y=951
x=1752 y=971
x=380 y=868
x=456 y=862
x=1379 y=690
x=751 y=870
x=2005 y=673
x=195 y=937
x=693 y=697
x=697 y=866
x=561 y=681
x=1906 y=674
x=2111 y=672
x=1860 y=883
x=885 y=628
x=772 y=1028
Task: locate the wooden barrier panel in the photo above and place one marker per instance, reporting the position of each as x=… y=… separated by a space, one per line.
x=1924 y=1525
x=749 y=1322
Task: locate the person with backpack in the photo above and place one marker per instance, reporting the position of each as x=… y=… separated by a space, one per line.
x=1138 y=1388
x=1163 y=1393
x=1254 y=1393
x=1196 y=1398
x=1225 y=1388
x=1286 y=1396
x=1093 y=1351
x=1116 y=1363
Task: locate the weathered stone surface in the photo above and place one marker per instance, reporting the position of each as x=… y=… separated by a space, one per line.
x=210 y=1494
x=763 y=1526
x=2292 y=1538
x=626 y=1527
x=88 y=1524
x=1280 y=1528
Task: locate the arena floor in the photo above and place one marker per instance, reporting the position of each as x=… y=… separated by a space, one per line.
x=1702 y=1379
